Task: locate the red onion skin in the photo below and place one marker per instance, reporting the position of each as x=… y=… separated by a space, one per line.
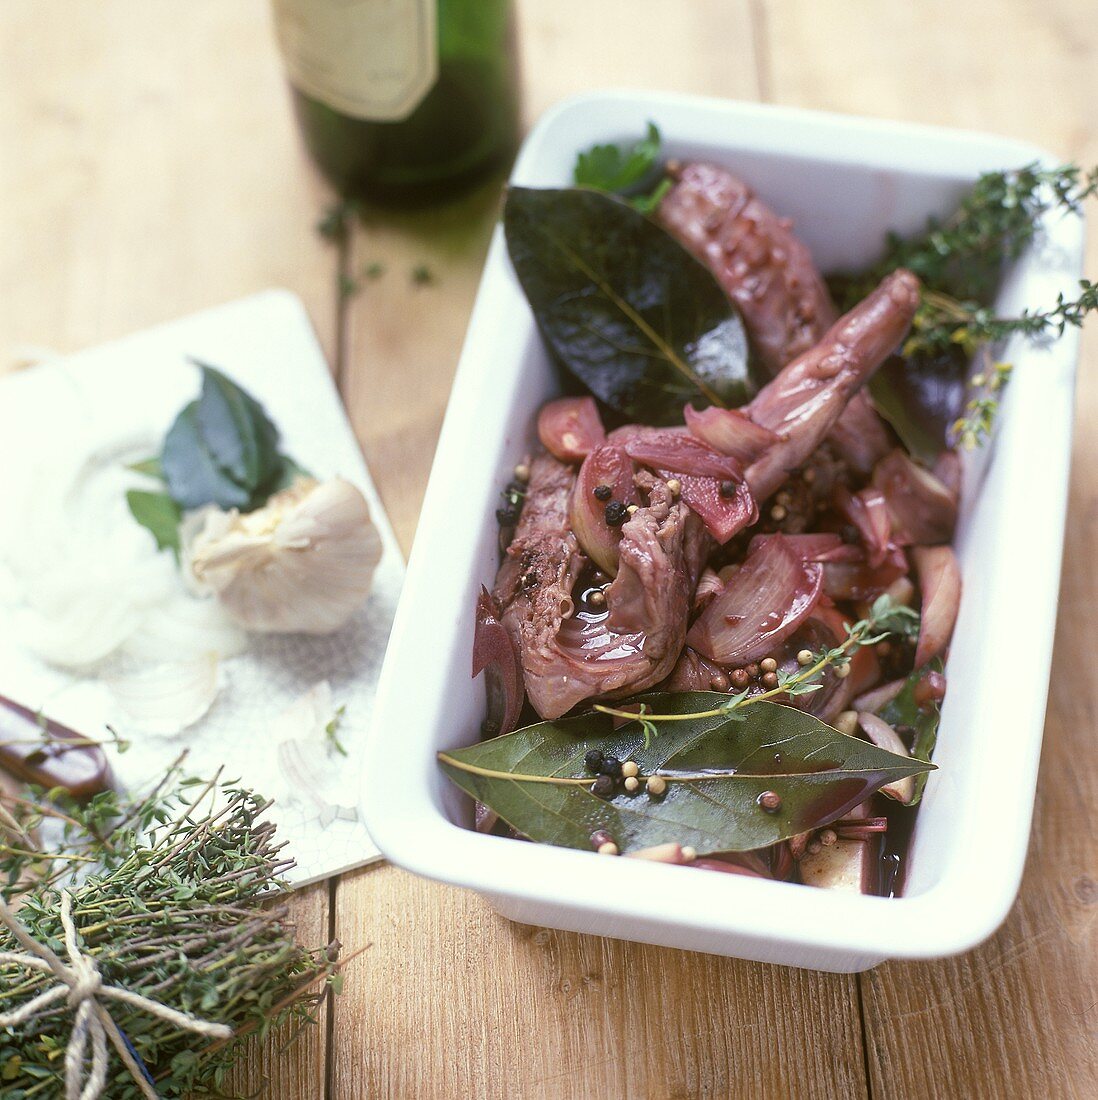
x=570 y=428
x=495 y=655
x=730 y=432
x=868 y=511
x=940 y=583
x=924 y=512
x=931 y=688
x=762 y=605
x=609 y=465
x=854 y=580
x=681 y=453
x=723 y=516
x=949 y=471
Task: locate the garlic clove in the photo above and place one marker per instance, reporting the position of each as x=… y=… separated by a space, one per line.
x=302 y=563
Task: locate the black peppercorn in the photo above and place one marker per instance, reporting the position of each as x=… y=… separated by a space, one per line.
x=603 y=492
x=529 y=581
x=616 y=513
x=592 y=758
x=602 y=786
x=610 y=766
x=729 y=488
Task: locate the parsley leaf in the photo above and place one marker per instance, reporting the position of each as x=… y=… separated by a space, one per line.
x=632 y=172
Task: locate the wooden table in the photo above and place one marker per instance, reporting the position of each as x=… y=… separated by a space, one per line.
x=149 y=166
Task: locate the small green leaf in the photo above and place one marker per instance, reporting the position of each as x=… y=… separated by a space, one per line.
x=150 y=467
x=904 y=711
x=612 y=168
x=158 y=513
x=640 y=321
x=715 y=769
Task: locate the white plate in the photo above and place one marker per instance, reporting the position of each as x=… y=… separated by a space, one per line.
x=129 y=391
x=845 y=182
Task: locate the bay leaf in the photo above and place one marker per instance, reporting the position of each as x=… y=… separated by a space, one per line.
x=159 y=514
x=192 y=472
x=716 y=768
x=237 y=431
x=623 y=306
x=921 y=397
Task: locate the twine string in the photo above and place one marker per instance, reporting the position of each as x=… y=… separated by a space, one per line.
x=81 y=986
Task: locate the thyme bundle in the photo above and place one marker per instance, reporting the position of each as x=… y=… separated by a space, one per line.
x=175 y=898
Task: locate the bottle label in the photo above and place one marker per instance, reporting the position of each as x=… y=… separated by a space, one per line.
x=372 y=59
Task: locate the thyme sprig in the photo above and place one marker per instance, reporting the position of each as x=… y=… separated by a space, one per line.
x=942 y=321
x=963 y=255
x=886 y=618
x=178 y=896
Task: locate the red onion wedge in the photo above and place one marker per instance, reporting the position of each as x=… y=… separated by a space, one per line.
x=949 y=472
x=681 y=453
x=924 y=511
x=760 y=607
x=494 y=654
x=607 y=466
x=723 y=516
x=940 y=582
x=570 y=428
x=815 y=546
x=730 y=432
x=846 y=579
x=867 y=510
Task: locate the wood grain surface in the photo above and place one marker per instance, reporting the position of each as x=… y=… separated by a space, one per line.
x=149 y=167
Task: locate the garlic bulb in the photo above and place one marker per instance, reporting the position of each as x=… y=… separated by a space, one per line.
x=302 y=563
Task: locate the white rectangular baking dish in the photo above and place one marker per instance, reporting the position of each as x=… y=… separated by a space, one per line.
x=845 y=182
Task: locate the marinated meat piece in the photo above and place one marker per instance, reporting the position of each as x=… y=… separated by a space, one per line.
x=631 y=643
x=770 y=274
x=764 y=268
x=803 y=402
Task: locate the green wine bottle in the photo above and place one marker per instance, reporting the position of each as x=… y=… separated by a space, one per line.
x=402 y=101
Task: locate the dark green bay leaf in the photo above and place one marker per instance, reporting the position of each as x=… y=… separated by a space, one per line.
x=716 y=768
x=904 y=711
x=193 y=475
x=159 y=514
x=921 y=397
x=237 y=431
x=624 y=306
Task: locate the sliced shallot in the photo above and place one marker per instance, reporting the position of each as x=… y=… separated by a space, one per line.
x=570 y=428
x=940 y=582
x=494 y=655
x=723 y=516
x=760 y=607
x=730 y=432
x=867 y=510
x=681 y=453
x=924 y=511
x=885 y=737
x=607 y=467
